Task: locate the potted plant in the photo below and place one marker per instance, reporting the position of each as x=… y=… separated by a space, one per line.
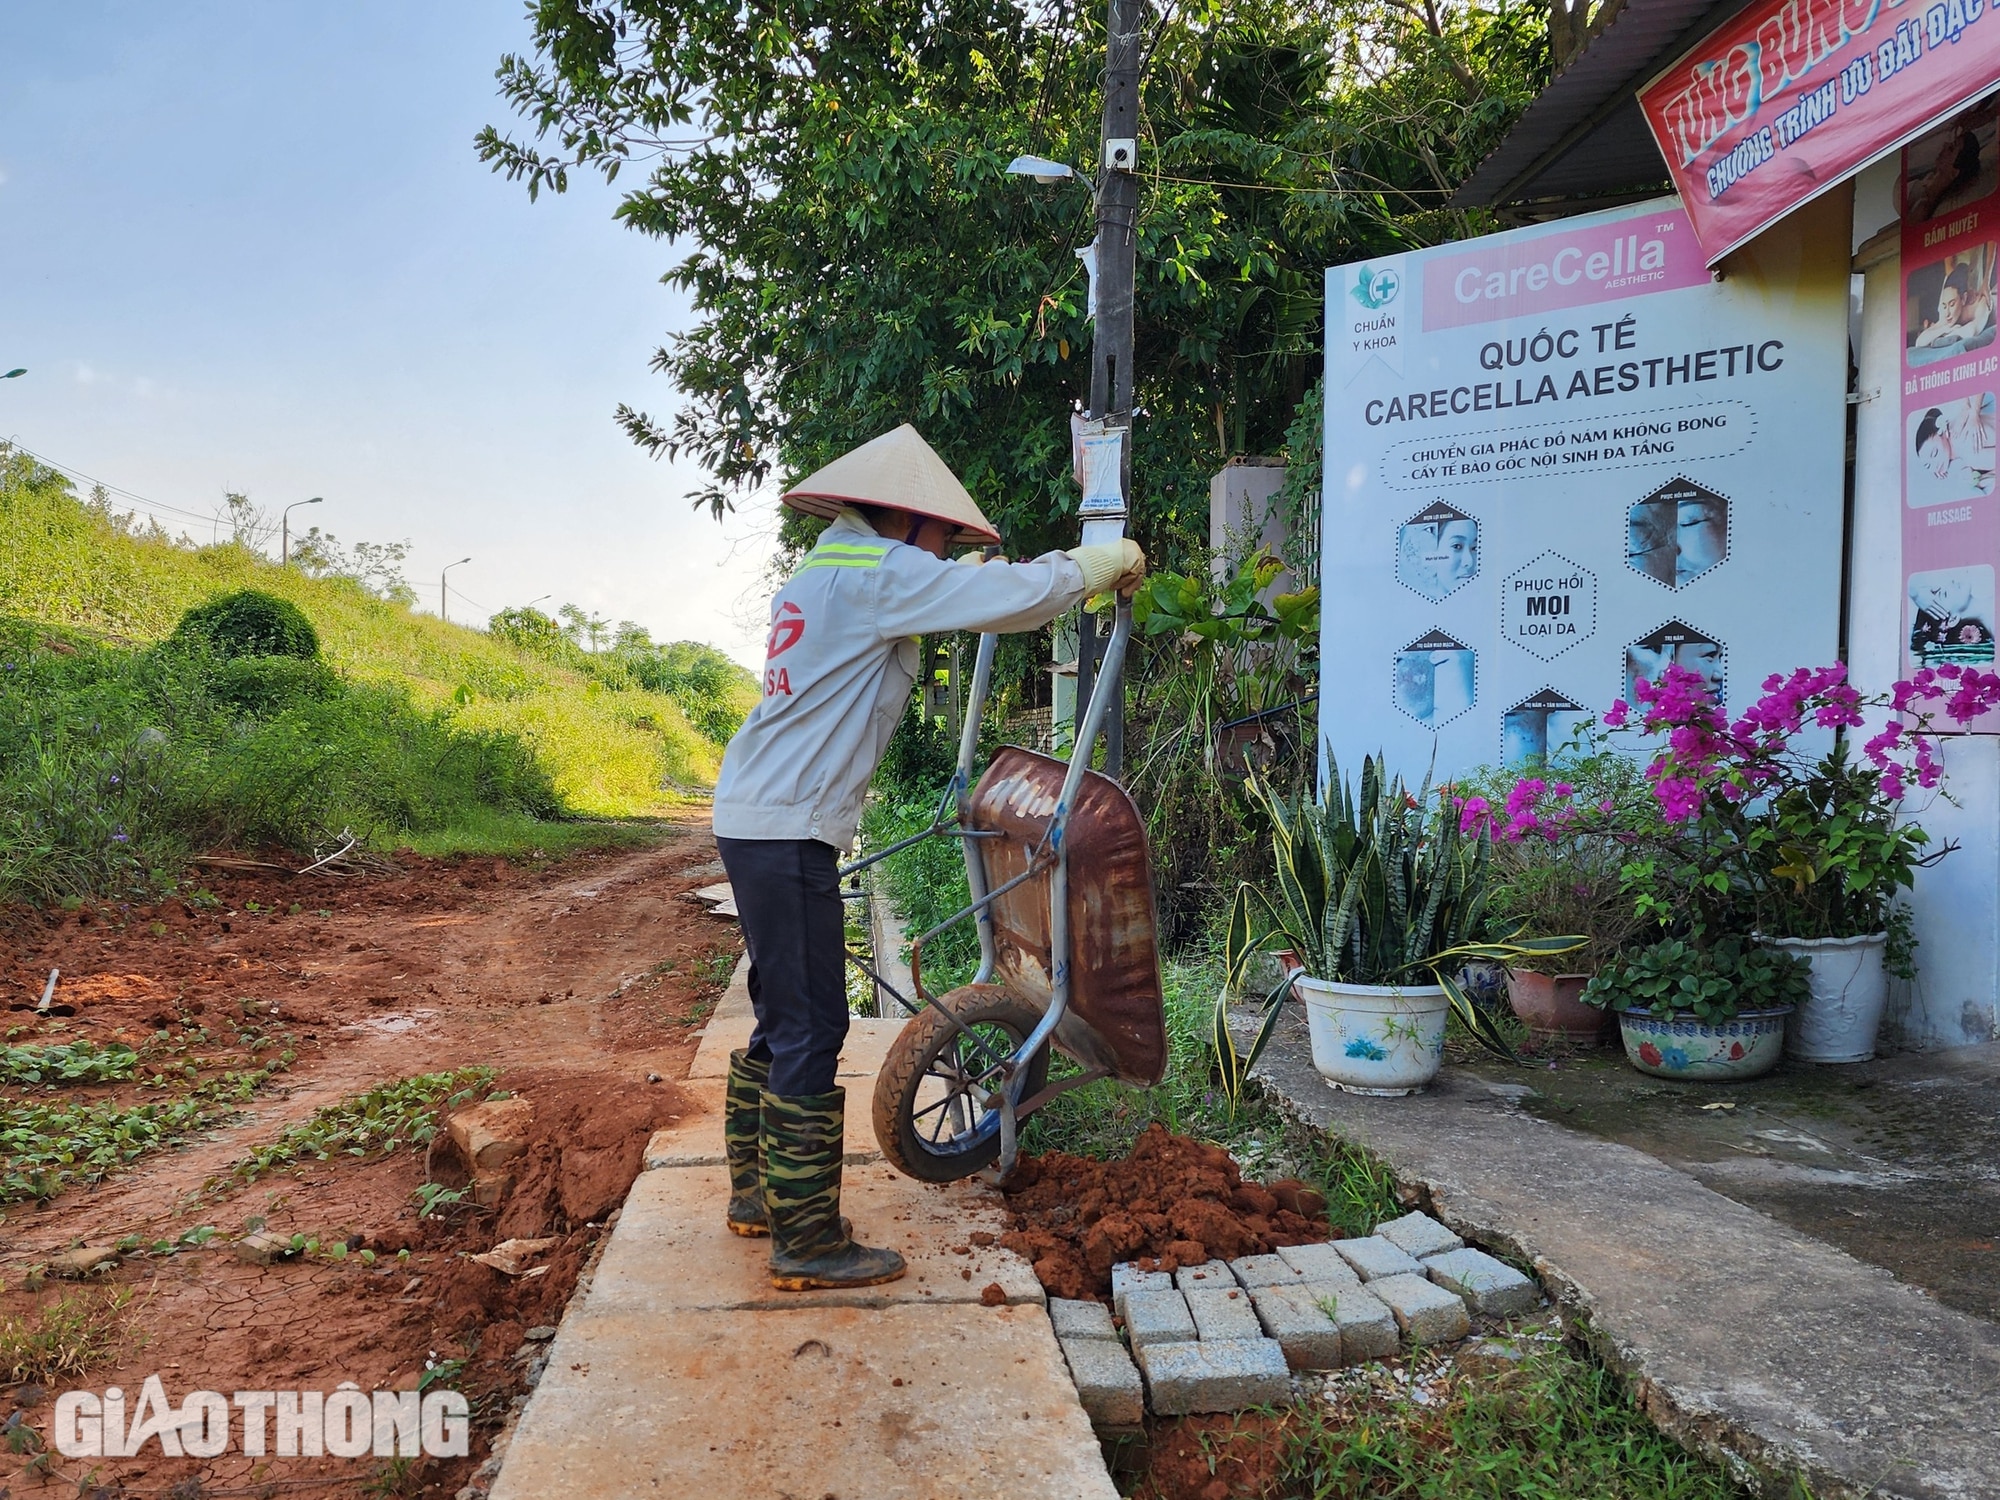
x=1706 y=1010
x=1558 y=867
x=1765 y=859
x=1382 y=895
x=1817 y=843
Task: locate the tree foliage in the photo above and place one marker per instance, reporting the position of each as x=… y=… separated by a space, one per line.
x=832 y=175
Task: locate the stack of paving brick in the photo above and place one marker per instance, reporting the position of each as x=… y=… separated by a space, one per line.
x=1227 y=1335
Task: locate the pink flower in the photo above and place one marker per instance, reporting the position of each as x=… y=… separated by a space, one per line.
x=1614 y=716
x=1474 y=814
x=1679 y=798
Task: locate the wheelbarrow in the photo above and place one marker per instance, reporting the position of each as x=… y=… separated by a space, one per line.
x=1061 y=882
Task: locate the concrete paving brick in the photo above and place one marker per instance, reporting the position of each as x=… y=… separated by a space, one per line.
x=1419 y=1234
x=1126 y=1277
x=1292 y=1316
x=1223 y=1313
x=1210 y=1273
x=1318 y=1263
x=1487 y=1285
x=1107 y=1382
x=1081 y=1320
x=1367 y=1327
x=1425 y=1311
x=1372 y=1258
x=1159 y=1318
x=1225 y=1376
x=1268 y=1270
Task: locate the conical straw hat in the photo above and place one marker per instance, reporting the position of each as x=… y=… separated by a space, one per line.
x=900 y=470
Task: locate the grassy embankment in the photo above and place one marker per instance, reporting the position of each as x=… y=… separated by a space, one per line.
x=119 y=756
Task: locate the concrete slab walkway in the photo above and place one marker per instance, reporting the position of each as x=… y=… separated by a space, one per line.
x=1747 y=1339
x=681 y=1371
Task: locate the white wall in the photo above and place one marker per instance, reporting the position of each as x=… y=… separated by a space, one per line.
x=1957 y=902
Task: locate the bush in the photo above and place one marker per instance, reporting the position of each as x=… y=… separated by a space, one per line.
x=260 y=686
x=249 y=622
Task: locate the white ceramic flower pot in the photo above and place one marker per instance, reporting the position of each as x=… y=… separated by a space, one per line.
x=1849 y=988
x=1375 y=1039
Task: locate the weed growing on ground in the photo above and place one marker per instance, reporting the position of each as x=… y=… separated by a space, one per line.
x=63 y=1338
x=1560 y=1427
x=72 y=1062
x=48 y=1147
x=385 y=1119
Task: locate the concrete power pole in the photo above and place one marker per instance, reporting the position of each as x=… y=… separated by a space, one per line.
x=1111 y=346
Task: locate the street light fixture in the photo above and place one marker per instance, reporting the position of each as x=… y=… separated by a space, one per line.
x=444 y=612
x=11 y=374
x=285 y=529
x=1040 y=168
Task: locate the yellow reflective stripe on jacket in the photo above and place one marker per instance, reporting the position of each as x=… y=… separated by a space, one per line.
x=843 y=555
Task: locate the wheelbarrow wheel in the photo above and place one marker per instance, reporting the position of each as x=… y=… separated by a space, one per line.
x=931 y=1116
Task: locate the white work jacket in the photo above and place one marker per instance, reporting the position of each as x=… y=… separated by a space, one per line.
x=838 y=667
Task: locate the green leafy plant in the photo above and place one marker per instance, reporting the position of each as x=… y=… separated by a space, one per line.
x=68 y=1062
x=249 y=622
x=1713 y=981
x=1381 y=887
x=385 y=1119
x=433 y=1198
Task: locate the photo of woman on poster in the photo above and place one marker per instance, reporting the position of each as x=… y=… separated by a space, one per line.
x=1538 y=726
x=1951 y=616
x=1953 y=166
x=1951 y=451
x=1437 y=550
x=1677 y=533
x=1677 y=645
x=1950 y=306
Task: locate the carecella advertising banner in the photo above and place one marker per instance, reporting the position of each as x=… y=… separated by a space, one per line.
x=1788 y=98
x=1561 y=458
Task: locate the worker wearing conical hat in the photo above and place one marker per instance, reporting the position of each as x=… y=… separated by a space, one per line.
x=838 y=667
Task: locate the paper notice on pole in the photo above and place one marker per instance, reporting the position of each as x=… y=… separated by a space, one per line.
x=1103 y=473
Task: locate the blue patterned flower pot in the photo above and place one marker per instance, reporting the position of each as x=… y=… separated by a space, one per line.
x=1375 y=1039
x=1679 y=1046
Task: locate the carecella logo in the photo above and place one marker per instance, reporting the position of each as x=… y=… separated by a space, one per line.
x=346 y=1423
x=1376 y=286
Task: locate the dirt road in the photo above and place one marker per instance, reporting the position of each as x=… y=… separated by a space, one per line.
x=579 y=981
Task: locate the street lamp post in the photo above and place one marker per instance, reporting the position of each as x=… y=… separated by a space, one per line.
x=13 y=374
x=444 y=611
x=285 y=529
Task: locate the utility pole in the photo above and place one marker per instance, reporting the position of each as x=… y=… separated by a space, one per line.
x=1111 y=345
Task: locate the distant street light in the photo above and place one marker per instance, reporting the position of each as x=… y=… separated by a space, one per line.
x=12 y=373
x=444 y=611
x=533 y=602
x=285 y=529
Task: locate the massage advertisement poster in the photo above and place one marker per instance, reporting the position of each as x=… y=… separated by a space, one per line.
x=1951 y=372
x=1561 y=458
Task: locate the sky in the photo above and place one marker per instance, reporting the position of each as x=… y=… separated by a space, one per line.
x=246 y=245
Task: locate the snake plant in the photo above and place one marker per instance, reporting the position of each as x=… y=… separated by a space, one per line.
x=1377 y=887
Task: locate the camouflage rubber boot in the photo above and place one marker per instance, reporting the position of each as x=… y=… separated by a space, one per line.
x=742 y=1110
x=811 y=1245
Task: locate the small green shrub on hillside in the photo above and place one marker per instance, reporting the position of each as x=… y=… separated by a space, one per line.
x=249 y=622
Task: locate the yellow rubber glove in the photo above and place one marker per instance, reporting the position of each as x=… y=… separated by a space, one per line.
x=1110 y=565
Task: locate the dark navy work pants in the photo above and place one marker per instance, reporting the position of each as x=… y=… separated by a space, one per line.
x=788 y=901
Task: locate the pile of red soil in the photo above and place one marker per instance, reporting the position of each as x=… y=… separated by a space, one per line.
x=1240 y=1456
x=1173 y=1202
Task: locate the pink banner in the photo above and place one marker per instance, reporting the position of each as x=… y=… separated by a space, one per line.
x=1951 y=375
x=1791 y=97
x=1524 y=276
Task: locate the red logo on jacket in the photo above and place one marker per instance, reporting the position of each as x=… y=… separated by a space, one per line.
x=786 y=631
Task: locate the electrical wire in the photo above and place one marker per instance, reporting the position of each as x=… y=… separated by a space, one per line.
x=151 y=507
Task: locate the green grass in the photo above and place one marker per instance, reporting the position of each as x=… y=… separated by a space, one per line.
x=62 y=1339
x=384 y=1119
x=1561 y=1427
x=119 y=757
x=493 y=831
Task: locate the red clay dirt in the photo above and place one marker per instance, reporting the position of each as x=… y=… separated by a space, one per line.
x=580 y=981
x=1171 y=1202
x=1240 y=1456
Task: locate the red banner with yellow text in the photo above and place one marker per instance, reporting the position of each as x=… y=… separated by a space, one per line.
x=1791 y=97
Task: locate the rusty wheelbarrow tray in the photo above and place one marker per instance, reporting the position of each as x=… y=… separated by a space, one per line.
x=1062 y=894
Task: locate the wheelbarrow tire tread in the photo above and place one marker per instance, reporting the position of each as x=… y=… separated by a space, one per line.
x=910 y=1055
